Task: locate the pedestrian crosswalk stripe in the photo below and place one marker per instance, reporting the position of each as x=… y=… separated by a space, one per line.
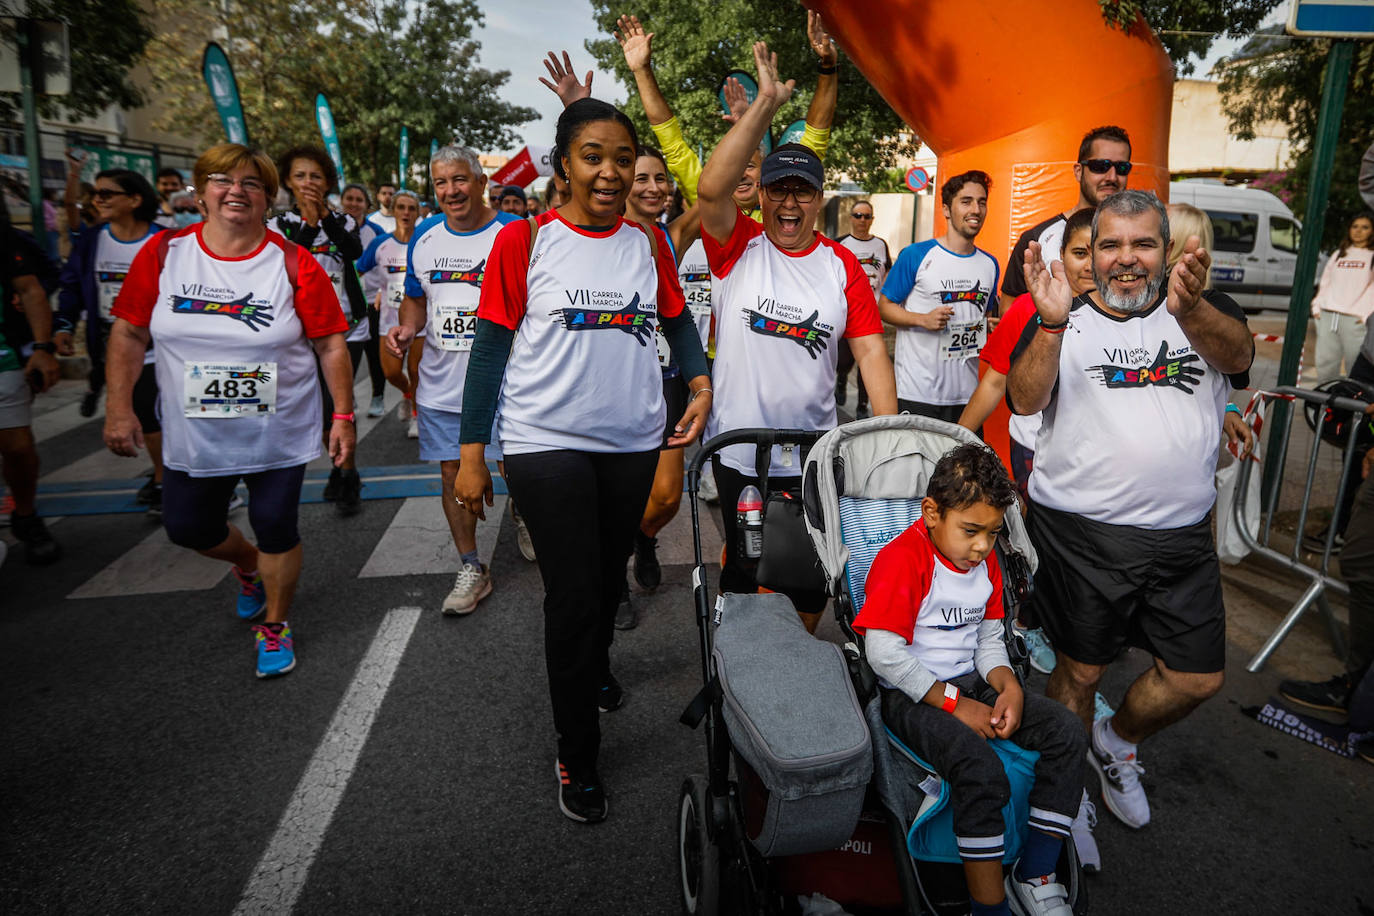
x=418 y=540
x=155 y=565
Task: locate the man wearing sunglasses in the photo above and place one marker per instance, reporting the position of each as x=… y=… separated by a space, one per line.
x=1101 y=169
x=876 y=261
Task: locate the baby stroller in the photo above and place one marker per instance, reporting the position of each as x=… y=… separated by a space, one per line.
x=807 y=797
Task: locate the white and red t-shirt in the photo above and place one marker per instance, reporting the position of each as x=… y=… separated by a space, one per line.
x=997 y=354
x=206 y=309
x=385 y=259
x=779 y=319
x=445 y=268
x=372 y=280
x=583 y=372
x=941 y=367
x=913 y=591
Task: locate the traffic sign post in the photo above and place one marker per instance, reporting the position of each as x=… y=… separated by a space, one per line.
x=1320 y=19
x=917 y=179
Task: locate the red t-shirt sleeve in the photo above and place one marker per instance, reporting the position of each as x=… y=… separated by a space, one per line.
x=316 y=303
x=722 y=257
x=138 y=295
x=997 y=351
x=863 y=316
x=897 y=583
x=995 y=610
x=671 y=300
x=504 y=287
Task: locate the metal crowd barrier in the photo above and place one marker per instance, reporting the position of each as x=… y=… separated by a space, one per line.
x=1320 y=579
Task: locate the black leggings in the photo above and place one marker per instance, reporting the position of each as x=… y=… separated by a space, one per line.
x=195 y=509
x=145 y=400
x=371 y=348
x=582 y=510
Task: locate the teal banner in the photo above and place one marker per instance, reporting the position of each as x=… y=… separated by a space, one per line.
x=793 y=132
x=329 y=135
x=405 y=156
x=224 y=92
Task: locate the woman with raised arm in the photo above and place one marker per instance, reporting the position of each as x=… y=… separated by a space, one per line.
x=565 y=350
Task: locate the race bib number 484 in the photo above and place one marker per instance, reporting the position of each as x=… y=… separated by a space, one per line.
x=228 y=390
x=454 y=327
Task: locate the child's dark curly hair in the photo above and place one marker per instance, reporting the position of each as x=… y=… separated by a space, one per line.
x=968 y=474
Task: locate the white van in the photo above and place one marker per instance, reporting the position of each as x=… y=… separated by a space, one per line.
x=1256 y=246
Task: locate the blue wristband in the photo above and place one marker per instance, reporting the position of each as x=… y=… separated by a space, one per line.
x=1232 y=408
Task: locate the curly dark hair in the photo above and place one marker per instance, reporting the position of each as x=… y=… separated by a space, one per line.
x=950 y=189
x=968 y=474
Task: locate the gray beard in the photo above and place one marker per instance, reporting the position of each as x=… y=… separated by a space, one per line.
x=1129 y=304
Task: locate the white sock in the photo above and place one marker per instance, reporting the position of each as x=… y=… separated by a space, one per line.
x=1114 y=743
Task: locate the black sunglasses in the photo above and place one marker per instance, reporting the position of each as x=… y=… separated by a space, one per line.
x=106 y=194
x=1102 y=166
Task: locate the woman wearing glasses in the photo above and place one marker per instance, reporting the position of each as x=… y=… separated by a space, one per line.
x=784 y=297
x=126 y=205
x=239 y=314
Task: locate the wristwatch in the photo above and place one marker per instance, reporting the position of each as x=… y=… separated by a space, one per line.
x=951 y=698
x=46 y=346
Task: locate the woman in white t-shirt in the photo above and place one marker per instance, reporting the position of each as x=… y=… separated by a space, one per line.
x=365 y=339
x=239 y=314
x=565 y=349
x=1345 y=299
x=386 y=259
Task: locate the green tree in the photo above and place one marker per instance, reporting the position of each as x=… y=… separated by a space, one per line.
x=1190 y=27
x=697 y=44
x=383 y=64
x=1274 y=78
x=107 y=39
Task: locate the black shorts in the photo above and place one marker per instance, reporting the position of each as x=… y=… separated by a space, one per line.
x=145 y=400
x=1100 y=587
x=675 y=395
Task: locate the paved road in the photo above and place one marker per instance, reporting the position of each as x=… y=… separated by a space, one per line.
x=406 y=765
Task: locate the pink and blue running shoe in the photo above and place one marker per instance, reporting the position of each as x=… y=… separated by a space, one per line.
x=276 y=652
x=252 y=595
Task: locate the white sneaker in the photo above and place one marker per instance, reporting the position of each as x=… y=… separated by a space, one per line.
x=706 y=489
x=472 y=585
x=1122 y=792
x=377 y=407
x=522 y=536
x=413 y=429
x=403 y=412
x=1082 y=831
x=1039 y=896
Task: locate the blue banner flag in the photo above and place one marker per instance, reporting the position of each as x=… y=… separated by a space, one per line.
x=224 y=92
x=328 y=134
x=405 y=156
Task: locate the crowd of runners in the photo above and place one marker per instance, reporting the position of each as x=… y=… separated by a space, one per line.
x=581 y=340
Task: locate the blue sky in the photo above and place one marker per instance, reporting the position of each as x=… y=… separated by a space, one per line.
x=517 y=35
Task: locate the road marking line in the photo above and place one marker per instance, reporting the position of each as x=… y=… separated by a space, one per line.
x=154 y=566
x=418 y=540
x=280 y=876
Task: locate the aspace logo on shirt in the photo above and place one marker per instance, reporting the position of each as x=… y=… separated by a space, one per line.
x=694 y=276
x=1165 y=370
x=110 y=276
x=325 y=247
x=395 y=268
x=196 y=301
x=978 y=296
x=471 y=276
x=584 y=315
x=808 y=333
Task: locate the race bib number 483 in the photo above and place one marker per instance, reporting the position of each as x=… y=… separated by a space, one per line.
x=228 y=390
x=963 y=339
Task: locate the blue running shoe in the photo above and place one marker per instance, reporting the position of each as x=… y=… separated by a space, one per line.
x=276 y=654
x=1041 y=652
x=1102 y=709
x=252 y=595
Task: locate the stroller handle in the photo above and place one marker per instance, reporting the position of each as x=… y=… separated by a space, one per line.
x=762 y=439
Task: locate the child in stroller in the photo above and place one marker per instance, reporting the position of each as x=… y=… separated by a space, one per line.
x=933 y=632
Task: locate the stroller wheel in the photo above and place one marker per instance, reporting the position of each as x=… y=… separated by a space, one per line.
x=698 y=857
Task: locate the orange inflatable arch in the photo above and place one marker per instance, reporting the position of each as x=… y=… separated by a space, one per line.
x=1010 y=88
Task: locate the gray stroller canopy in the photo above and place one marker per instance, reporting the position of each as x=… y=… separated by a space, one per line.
x=881 y=458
